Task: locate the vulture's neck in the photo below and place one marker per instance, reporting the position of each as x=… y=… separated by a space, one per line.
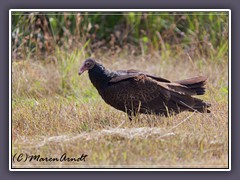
x=99 y=76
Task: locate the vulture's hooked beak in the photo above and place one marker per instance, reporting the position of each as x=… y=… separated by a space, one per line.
x=81 y=70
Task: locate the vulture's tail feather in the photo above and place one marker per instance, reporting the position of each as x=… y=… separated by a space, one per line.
x=196 y=84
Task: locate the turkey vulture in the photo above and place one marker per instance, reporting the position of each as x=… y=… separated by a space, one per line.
x=133 y=91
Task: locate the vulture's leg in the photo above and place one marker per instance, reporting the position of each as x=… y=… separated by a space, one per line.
x=130 y=117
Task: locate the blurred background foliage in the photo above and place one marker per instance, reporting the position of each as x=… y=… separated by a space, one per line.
x=197 y=34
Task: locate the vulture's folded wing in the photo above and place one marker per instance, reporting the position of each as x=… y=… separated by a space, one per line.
x=196 y=84
x=127 y=74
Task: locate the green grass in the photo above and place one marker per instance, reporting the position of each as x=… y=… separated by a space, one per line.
x=200 y=34
x=55 y=111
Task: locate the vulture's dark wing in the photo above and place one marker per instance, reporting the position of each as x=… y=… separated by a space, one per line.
x=193 y=81
x=126 y=74
x=142 y=90
x=196 y=84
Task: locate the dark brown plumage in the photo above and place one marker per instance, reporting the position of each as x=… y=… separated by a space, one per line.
x=134 y=91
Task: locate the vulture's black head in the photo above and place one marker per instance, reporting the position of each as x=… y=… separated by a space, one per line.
x=87 y=65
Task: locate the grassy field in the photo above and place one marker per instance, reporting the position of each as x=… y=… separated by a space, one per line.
x=55 y=111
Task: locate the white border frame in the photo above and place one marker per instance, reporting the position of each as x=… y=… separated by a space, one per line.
x=119 y=10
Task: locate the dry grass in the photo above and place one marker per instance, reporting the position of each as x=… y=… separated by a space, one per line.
x=54 y=111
